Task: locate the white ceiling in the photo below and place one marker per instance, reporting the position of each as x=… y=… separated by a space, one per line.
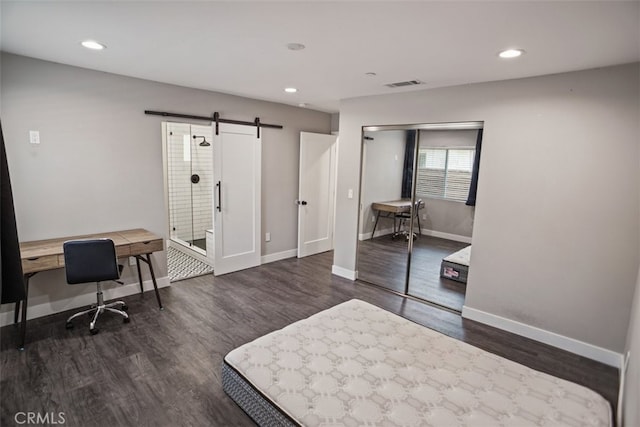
x=239 y=47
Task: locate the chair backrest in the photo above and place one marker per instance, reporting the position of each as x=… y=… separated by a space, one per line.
x=91 y=260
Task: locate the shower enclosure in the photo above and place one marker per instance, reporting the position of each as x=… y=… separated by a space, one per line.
x=189 y=184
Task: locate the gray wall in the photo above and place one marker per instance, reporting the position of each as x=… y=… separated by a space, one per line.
x=382 y=180
x=558 y=197
x=382 y=176
x=335 y=122
x=632 y=377
x=447 y=216
x=99 y=166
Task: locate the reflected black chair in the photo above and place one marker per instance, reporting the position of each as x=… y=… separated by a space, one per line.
x=405 y=218
x=93 y=260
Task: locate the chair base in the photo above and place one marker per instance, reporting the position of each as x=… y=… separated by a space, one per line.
x=97 y=310
x=403 y=229
x=404 y=234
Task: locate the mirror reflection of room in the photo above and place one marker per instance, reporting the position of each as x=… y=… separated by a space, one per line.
x=418 y=244
x=382 y=258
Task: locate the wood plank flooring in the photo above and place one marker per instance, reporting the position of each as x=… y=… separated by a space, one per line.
x=383 y=261
x=163 y=368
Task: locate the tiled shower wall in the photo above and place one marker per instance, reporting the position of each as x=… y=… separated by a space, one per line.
x=186 y=200
x=202 y=164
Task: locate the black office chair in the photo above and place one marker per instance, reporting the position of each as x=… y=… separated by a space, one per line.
x=405 y=218
x=93 y=260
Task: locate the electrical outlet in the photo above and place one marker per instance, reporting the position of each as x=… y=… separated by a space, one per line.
x=132 y=260
x=373 y=218
x=267 y=237
x=424 y=216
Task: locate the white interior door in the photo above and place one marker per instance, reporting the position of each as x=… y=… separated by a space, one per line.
x=237 y=156
x=316 y=197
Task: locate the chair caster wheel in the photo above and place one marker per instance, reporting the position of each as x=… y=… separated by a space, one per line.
x=126 y=320
x=68 y=325
x=125 y=307
x=94 y=331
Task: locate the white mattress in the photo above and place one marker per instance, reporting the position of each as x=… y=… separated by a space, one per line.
x=461 y=257
x=356 y=364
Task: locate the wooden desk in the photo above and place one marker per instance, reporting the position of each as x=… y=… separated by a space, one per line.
x=392 y=209
x=43 y=255
x=395 y=206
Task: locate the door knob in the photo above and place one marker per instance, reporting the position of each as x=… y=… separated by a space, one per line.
x=301 y=202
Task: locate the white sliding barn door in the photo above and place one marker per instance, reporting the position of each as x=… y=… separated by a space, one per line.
x=237 y=156
x=316 y=197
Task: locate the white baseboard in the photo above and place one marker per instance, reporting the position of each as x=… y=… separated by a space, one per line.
x=448 y=236
x=581 y=348
x=83 y=300
x=343 y=272
x=624 y=364
x=265 y=259
x=379 y=232
x=426 y=232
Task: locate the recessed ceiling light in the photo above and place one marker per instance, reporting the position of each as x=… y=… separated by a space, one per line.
x=290 y=90
x=510 y=53
x=303 y=105
x=370 y=74
x=91 y=44
x=295 y=46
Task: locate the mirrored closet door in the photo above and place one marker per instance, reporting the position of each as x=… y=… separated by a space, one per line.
x=414 y=214
x=382 y=252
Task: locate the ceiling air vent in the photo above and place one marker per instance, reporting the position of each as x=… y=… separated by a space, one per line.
x=403 y=84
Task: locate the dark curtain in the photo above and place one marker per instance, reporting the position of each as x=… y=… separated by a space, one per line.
x=407 y=170
x=473 y=188
x=12 y=285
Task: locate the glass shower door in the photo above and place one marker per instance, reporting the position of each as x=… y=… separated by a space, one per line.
x=179 y=182
x=201 y=180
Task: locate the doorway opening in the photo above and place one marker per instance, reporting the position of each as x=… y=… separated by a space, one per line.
x=213 y=197
x=189 y=191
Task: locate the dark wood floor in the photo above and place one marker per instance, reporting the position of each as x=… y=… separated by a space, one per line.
x=163 y=368
x=383 y=261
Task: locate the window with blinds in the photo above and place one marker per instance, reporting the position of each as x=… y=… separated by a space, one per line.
x=445 y=173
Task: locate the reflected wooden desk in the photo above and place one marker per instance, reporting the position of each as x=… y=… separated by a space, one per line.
x=391 y=209
x=43 y=255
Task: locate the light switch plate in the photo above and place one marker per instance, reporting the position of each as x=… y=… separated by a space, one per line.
x=34 y=137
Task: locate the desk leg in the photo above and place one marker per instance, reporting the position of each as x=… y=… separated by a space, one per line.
x=16 y=313
x=139 y=274
x=375 y=225
x=147 y=260
x=23 y=331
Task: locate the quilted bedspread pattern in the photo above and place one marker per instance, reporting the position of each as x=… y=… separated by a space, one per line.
x=358 y=365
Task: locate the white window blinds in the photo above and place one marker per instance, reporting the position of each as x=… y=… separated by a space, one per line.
x=445 y=172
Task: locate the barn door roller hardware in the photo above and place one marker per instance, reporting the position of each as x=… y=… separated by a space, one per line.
x=216 y=119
